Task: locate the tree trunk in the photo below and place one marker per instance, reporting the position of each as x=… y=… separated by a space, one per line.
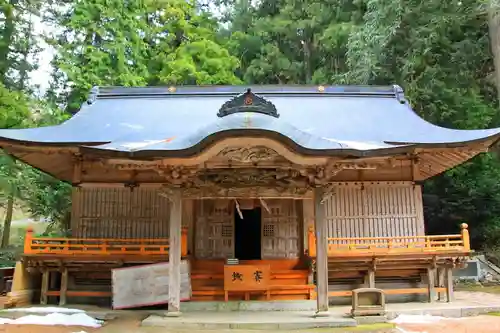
x=494 y=29
x=7 y=38
x=66 y=224
x=307 y=61
x=8 y=219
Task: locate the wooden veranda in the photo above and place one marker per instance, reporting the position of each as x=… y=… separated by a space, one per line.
x=365 y=258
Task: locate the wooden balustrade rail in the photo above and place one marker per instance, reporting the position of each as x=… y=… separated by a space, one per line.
x=393 y=245
x=96 y=246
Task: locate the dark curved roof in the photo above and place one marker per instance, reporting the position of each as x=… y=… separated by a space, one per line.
x=331 y=119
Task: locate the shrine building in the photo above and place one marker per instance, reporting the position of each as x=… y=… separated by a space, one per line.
x=314 y=190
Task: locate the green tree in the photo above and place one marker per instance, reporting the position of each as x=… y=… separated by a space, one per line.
x=18 y=48
x=18 y=45
x=286 y=41
x=14 y=112
x=43 y=195
x=136 y=43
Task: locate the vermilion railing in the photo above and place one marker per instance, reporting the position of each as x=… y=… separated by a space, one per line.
x=393 y=245
x=99 y=246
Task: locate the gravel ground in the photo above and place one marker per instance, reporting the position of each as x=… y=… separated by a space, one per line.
x=480 y=324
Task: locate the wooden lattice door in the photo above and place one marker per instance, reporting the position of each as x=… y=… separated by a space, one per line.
x=280 y=230
x=214 y=235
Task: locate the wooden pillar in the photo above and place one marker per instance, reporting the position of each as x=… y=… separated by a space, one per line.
x=45 y=286
x=441 y=282
x=370 y=279
x=64 y=286
x=449 y=284
x=321 y=252
x=308 y=228
x=431 y=283
x=174 y=252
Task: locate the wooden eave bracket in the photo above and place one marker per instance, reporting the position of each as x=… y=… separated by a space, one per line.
x=240 y=214
x=264 y=204
x=373 y=264
x=433 y=262
x=328 y=192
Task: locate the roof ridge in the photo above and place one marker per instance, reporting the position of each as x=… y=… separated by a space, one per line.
x=394 y=91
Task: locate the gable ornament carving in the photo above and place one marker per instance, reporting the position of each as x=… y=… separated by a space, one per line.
x=248 y=102
x=248 y=154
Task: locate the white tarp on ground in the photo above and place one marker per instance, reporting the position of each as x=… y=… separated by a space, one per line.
x=416 y=319
x=53 y=319
x=47 y=309
x=146 y=285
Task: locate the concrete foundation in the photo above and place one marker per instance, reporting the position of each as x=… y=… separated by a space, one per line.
x=250 y=321
x=336 y=317
x=249 y=306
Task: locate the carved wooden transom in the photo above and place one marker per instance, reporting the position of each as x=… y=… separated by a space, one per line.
x=249 y=154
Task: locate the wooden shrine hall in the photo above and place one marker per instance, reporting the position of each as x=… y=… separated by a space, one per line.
x=269 y=192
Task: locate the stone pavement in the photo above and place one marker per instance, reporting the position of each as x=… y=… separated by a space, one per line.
x=250 y=320
x=466 y=304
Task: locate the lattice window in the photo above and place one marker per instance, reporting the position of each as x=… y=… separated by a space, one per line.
x=268 y=230
x=227 y=231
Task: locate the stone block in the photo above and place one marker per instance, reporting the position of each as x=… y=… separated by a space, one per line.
x=368 y=302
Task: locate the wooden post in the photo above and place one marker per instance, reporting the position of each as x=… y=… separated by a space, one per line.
x=449 y=284
x=431 y=283
x=174 y=252
x=309 y=238
x=441 y=282
x=64 y=286
x=370 y=279
x=45 y=286
x=465 y=236
x=77 y=169
x=321 y=253
x=28 y=238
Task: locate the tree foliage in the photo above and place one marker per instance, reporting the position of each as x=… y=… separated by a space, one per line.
x=137 y=43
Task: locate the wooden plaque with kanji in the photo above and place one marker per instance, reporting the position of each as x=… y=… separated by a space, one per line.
x=246 y=277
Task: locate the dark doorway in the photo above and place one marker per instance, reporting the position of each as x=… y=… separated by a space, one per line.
x=247 y=236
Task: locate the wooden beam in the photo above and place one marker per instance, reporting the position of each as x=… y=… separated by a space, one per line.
x=415 y=169
x=77 y=169
x=321 y=252
x=174 y=285
x=64 y=286
x=403 y=291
